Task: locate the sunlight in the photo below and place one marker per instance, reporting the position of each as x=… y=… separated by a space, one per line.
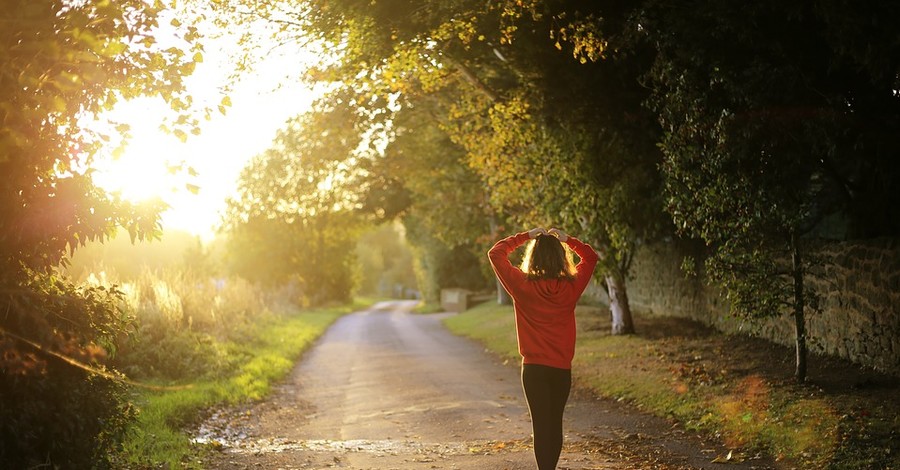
x=138 y=178
x=196 y=177
x=147 y=168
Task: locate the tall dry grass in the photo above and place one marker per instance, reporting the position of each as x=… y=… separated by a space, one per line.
x=183 y=322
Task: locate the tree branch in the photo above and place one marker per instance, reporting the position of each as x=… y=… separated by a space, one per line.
x=471 y=78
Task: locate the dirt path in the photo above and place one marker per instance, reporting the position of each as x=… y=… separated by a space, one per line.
x=386 y=389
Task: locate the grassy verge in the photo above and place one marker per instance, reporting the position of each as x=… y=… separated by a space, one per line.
x=424 y=307
x=159 y=438
x=736 y=388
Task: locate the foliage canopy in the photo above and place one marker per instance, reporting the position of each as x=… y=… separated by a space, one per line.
x=63 y=64
x=295 y=217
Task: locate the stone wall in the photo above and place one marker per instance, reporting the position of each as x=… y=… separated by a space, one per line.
x=858 y=284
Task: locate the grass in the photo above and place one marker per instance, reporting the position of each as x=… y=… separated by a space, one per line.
x=425 y=307
x=159 y=436
x=736 y=388
x=491 y=325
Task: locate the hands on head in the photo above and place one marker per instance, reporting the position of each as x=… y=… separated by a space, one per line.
x=558 y=234
x=535 y=232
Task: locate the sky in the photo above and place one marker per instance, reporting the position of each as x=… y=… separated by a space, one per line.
x=261 y=102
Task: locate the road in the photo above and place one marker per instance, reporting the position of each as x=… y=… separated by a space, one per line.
x=387 y=389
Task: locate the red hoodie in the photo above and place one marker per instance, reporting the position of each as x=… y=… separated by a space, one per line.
x=545 y=308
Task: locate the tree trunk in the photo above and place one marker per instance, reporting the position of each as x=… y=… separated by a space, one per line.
x=799 y=316
x=622 y=323
x=503 y=297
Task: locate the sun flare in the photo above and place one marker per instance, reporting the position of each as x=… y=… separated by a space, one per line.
x=196 y=176
x=148 y=166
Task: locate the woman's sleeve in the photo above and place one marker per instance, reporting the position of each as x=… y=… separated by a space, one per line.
x=509 y=275
x=585 y=268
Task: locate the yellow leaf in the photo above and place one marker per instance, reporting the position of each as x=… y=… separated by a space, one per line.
x=727 y=458
x=59 y=104
x=114 y=48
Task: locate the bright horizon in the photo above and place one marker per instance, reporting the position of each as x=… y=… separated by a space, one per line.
x=261 y=103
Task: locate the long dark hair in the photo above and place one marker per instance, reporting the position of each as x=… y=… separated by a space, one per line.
x=547 y=258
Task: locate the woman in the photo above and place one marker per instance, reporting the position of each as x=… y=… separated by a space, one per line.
x=544 y=292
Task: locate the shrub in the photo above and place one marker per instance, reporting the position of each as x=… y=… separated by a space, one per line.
x=66 y=417
x=53 y=411
x=183 y=322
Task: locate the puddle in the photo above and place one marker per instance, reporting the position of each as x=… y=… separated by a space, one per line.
x=255 y=446
x=222 y=429
x=376 y=447
x=225 y=431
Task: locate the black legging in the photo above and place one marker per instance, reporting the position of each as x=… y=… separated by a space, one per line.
x=546 y=391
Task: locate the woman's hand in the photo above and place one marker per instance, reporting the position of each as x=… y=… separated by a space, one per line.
x=558 y=234
x=535 y=232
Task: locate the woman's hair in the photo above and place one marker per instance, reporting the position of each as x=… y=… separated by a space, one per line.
x=547 y=258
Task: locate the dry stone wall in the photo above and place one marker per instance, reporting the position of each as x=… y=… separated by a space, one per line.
x=858 y=284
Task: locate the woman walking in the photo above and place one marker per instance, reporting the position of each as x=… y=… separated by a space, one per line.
x=544 y=291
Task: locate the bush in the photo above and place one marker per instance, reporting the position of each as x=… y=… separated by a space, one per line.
x=183 y=322
x=52 y=410
x=64 y=417
x=166 y=325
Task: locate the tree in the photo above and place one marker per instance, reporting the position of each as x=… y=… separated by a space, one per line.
x=582 y=159
x=566 y=141
x=295 y=217
x=62 y=64
x=446 y=213
x=386 y=262
x=521 y=88
x=777 y=117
